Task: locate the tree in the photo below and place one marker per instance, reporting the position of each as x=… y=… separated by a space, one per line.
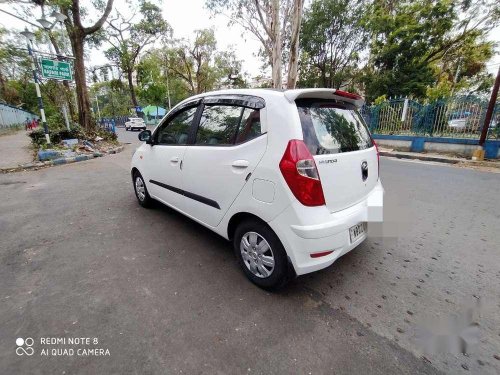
x=275 y=24
x=78 y=35
x=129 y=39
x=293 y=58
x=333 y=38
x=411 y=42
x=199 y=65
x=16 y=75
x=157 y=85
x=113 y=98
x=14 y=66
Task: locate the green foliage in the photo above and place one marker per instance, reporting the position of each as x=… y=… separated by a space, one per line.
x=417 y=45
x=332 y=39
x=113 y=97
x=56 y=136
x=155 y=81
x=200 y=67
x=128 y=39
x=381 y=99
x=443 y=89
x=15 y=72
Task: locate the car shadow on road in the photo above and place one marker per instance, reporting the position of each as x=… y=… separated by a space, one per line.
x=220 y=250
x=332 y=277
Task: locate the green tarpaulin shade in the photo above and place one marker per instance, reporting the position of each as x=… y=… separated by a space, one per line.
x=152 y=110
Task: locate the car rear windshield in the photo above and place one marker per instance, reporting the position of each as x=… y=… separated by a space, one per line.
x=331 y=127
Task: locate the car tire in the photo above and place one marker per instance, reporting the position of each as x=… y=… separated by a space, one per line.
x=141 y=191
x=280 y=273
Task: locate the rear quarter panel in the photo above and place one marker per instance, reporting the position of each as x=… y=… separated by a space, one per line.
x=282 y=123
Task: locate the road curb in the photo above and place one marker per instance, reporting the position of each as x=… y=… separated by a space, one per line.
x=420 y=157
x=59 y=161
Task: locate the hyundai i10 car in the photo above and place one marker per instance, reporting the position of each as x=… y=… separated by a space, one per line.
x=291 y=178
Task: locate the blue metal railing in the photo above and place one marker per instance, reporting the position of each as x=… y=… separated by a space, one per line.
x=458 y=117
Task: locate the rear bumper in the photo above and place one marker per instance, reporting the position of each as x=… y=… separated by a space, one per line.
x=328 y=232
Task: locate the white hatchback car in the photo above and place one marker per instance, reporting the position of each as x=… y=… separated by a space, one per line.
x=135 y=123
x=290 y=177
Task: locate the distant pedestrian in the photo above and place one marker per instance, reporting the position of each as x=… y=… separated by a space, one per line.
x=33 y=124
x=27 y=123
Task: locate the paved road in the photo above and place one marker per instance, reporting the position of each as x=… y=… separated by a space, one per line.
x=15 y=149
x=80 y=258
x=130 y=136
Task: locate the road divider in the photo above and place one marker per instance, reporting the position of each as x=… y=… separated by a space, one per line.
x=59 y=161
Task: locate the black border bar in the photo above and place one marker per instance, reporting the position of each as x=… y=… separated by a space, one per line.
x=196 y=197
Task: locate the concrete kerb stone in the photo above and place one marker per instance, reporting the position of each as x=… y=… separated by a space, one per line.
x=72 y=159
x=417 y=156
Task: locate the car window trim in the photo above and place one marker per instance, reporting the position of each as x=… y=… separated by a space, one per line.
x=237 y=100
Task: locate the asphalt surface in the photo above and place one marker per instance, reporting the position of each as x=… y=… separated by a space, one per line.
x=15 y=149
x=79 y=258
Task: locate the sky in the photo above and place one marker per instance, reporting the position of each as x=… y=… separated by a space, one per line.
x=186 y=16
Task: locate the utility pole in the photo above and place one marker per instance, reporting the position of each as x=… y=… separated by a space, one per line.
x=29 y=37
x=479 y=154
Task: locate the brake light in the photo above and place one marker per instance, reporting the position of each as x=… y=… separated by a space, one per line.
x=346 y=94
x=299 y=170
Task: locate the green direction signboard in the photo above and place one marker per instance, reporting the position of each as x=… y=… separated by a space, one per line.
x=55 y=69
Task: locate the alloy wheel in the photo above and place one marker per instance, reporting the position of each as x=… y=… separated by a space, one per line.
x=257 y=254
x=140 y=188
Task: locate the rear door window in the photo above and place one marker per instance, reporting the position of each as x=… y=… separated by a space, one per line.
x=331 y=127
x=250 y=125
x=226 y=125
x=218 y=125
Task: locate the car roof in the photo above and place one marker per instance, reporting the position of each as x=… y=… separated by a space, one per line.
x=289 y=95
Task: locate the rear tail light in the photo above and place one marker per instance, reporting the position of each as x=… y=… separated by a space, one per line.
x=299 y=170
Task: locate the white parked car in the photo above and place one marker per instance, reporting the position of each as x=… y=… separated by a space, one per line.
x=134 y=123
x=291 y=178
x=459 y=121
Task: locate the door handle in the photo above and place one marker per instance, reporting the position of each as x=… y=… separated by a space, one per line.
x=175 y=159
x=241 y=163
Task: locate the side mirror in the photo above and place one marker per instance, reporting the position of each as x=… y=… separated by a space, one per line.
x=145 y=136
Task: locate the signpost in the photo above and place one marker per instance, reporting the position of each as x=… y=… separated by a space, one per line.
x=55 y=69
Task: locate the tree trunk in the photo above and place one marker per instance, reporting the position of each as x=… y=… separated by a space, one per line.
x=77 y=34
x=276 y=44
x=293 y=61
x=131 y=87
x=84 y=113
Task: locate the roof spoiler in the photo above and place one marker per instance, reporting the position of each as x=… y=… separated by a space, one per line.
x=293 y=95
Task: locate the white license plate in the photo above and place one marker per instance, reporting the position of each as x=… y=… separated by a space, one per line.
x=357 y=231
